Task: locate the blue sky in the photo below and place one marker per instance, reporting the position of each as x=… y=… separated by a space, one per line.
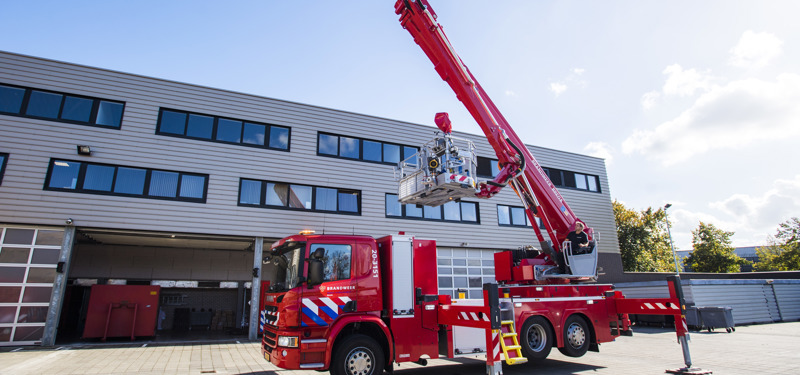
x=694 y=103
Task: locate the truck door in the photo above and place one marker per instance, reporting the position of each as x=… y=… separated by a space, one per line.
x=323 y=303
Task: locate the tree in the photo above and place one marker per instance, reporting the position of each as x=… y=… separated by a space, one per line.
x=643 y=240
x=713 y=251
x=783 y=253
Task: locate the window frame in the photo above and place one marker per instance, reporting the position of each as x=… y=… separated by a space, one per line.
x=404 y=215
x=263 y=192
x=215 y=128
x=81 y=181
x=93 y=115
x=360 y=143
x=527 y=224
x=3 y=165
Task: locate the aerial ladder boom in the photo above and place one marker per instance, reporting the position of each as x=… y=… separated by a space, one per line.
x=519 y=168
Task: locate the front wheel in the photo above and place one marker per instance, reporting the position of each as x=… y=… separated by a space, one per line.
x=537 y=338
x=357 y=355
x=576 y=337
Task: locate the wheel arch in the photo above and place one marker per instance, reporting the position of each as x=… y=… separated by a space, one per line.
x=368 y=326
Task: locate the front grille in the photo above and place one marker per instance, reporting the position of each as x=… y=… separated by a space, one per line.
x=270 y=338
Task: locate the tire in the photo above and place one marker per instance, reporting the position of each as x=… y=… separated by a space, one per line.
x=357 y=355
x=577 y=337
x=536 y=338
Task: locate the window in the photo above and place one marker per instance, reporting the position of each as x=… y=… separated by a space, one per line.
x=222 y=129
x=93 y=178
x=487 y=168
x=336 y=261
x=362 y=149
x=62 y=107
x=574 y=180
x=268 y=194
x=3 y=159
x=514 y=216
x=461 y=212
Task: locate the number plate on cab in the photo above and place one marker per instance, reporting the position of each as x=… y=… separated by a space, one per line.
x=266 y=356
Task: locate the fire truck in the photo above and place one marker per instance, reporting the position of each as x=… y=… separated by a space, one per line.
x=358 y=305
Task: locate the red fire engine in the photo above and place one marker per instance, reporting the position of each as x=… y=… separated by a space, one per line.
x=357 y=305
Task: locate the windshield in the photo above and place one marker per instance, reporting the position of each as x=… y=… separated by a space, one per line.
x=288 y=261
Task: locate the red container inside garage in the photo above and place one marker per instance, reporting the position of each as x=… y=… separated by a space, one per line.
x=122 y=311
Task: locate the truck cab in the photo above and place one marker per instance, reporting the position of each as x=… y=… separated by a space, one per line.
x=336 y=299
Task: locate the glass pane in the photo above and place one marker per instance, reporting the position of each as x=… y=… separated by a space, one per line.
x=348 y=201
x=130 y=181
x=445 y=282
x=413 y=210
x=459 y=262
x=445 y=270
x=372 y=150
x=349 y=147
x=580 y=181
x=393 y=207
x=229 y=130
x=18 y=236
x=460 y=282
x=45 y=256
x=254 y=134
x=10 y=294
x=14 y=255
x=469 y=212
x=488 y=262
x=193 y=186
x=200 y=126
x=49 y=237
x=41 y=275
x=452 y=211
x=408 y=152
x=475 y=282
x=7 y=314
x=37 y=294
x=474 y=262
x=592 y=183
x=495 y=168
x=172 y=122
x=300 y=196
x=518 y=216
x=163 y=184
x=443 y=262
x=336 y=261
x=11 y=99
x=98 y=177
x=277 y=194
x=12 y=274
x=503 y=216
x=326 y=199
x=64 y=175
x=32 y=314
x=29 y=333
x=391 y=153
x=44 y=104
x=250 y=192
x=459 y=271
x=433 y=212
x=109 y=114
x=555 y=177
x=77 y=109
x=474 y=271
x=328 y=145
x=475 y=294
x=279 y=137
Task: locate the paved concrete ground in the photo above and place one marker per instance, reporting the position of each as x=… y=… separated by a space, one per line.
x=757 y=349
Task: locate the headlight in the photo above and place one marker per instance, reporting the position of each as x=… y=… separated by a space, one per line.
x=287 y=341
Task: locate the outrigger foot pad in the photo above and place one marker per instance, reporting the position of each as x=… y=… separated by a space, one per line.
x=689 y=371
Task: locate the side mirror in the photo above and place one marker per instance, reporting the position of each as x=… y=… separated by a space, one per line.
x=315 y=273
x=267 y=258
x=281 y=261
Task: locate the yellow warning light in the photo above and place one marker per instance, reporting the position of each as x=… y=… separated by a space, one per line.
x=306 y=232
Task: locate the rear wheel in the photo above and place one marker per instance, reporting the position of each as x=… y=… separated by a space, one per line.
x=576 y=337
x=537 y=338
x=357 y=355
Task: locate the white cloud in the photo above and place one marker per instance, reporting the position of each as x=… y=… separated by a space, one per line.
x=600 y=150
x=778 y=204
x=734 y=115
x=755 y=50
x=510 y=93
x=558 y=88
x=685 y=82
x=649 y=99
x=578 y=71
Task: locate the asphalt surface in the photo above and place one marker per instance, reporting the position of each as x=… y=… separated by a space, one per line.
x=755 y=349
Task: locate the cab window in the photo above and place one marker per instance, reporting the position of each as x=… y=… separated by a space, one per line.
x=336 y=261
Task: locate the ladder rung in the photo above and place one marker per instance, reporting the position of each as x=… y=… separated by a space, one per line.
x=513 y=347
x=507 y=322
x=511 y=334
x=516 y=361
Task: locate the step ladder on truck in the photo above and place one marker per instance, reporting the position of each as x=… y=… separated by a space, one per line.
x=358 y=305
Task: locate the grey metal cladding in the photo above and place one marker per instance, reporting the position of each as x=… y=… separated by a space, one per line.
x=31 y=144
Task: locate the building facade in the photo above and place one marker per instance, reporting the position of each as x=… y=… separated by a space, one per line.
x=114 y=178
